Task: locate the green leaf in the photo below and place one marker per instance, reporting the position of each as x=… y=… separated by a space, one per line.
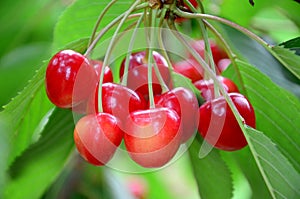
x=211 y=173
x=4 y=151
x=40 y=164
x=25 y=113
x=246 y=167
x=20 y=64
x=241 y=185
x=79 y=20
x=277 y=111
x=282 y=178
x=259 y=57
x=288 y=57
x=293 y=44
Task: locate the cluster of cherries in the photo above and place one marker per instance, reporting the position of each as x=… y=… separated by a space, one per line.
x=152 y=132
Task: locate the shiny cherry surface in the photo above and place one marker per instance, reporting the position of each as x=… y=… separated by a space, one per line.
x=138 y=72
x=117 y=100
x=69 y=79
x=97 y=137
x=218 y=125
x=152 y=136
x=185 y=103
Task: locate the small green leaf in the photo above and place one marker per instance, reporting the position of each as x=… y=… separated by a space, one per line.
x=288 y=57
x=282 y=178
x=41 y=163
x=293 y=44
x=211 y=172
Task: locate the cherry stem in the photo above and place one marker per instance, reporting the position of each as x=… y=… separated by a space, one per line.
x=224 y=21
x=228 y=51
x=100 y=19
x=113 y=23
x=233 y=108
x=148 y=23
x=109 y=50
x=199 y=2
x=208 y=70
x=163 y=49
x=150 y=55
x=130 y=47
x=208 y=54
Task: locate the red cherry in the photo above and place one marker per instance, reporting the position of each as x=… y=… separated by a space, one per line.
x=138 y=73
x=152 y=136
x=117 y=100
x=217 y=52
x=108 y=76
x=207 y=87
x=69 y=79
x=218 y=125
x=185 y=103
x=190 y=69
x=97 y=137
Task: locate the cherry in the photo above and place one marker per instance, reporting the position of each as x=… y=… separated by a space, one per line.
x=218 y=125
x=185 y=103
x=190 y=69
x=217 y=52
x=108 y=76
x=207 y=87
x=69 y=79
x=152 y=136
x=117 y=100
x=138 y=72
x=97 y=137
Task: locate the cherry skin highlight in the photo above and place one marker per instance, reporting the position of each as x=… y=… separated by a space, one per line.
x=219 y=127
x=69 y=79
x=108 y=76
